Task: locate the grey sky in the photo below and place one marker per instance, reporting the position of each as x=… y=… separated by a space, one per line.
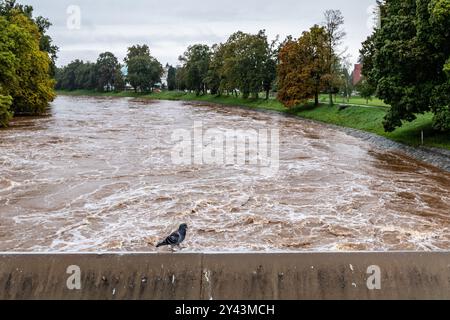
x=169 y=26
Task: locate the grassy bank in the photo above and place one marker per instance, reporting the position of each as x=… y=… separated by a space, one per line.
x=365 y=119
x=355 y=100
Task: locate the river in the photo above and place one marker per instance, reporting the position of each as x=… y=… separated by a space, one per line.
x=97 y=175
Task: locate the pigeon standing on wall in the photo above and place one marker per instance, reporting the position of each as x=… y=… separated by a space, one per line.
x=176 y=238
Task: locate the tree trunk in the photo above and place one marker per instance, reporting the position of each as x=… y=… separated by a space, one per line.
x=267 y=94
x=331 y=99
x=316 y=99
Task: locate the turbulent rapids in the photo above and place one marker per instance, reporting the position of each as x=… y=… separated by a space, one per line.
x=97 y=175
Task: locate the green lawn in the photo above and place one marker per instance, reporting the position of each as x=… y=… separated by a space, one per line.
x=370 y=120
x=355 y=100
x=365 y=119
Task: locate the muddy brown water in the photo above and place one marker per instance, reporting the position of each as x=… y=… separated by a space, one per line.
x=97 y=175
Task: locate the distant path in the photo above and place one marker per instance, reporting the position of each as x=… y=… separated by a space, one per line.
x=361 y=105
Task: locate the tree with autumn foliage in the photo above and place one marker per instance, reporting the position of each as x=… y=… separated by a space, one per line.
x=302 y=69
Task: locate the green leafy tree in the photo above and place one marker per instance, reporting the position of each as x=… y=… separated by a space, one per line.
x=144 y=72
x=441 y=119
x=215 y=79
x=367 y=86
x=247 y=63
x=439 y=11
x=5 y=111
x=7 y=7
x=119 y=80
x=171 y=78
x=66 y=78
x=137 y=51
x=24 y=67
x=365 y=89
x=86 y=76
x=346 y=80
x=8 y=57
x=407 y=59
x=108 y=72
x=270 y=67
x=77 y=75
x=196 y=62
x=180 y=78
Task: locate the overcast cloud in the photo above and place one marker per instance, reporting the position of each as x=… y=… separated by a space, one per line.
x=169 y=26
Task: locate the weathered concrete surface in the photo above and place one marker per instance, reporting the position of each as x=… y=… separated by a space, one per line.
x=111 y=276
x=227 y=276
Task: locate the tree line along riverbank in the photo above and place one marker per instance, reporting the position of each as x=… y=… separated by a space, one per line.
x=368 y=119
x=408 y=71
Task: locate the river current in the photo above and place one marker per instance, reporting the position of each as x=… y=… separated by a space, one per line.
x=98 y=174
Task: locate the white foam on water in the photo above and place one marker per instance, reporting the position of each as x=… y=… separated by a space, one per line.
x=97 y=176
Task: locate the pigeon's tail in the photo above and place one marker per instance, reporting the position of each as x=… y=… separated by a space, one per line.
x=162 y=243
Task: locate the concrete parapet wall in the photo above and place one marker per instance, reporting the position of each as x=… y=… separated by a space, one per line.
x=289 y=276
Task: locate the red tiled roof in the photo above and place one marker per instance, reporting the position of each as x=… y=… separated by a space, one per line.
x=357 y=73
